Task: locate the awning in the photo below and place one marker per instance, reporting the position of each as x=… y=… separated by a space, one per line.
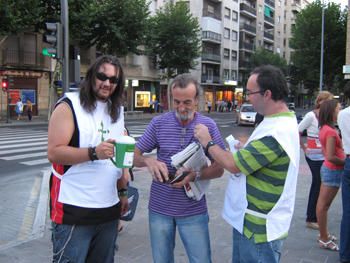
x=268 y=11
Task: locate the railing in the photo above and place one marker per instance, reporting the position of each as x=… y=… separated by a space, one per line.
x=269 y=36
x=270 y=3
x=210 y=79
x=27 y=59
x=209 y=35
x=213 y=15
x=249 y=9
x=244 y=64
x=244 y=26
x=270 y=19
x=211 y=57
x=244 y=45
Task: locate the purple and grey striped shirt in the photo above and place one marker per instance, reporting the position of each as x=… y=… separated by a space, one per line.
x=166 y=134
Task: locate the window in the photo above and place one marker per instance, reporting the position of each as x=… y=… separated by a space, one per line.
x=260 y=8
x=235 y=1
x=226 y=72
x=234 y=74
x=279 y=50
x=234 y=16
x=234 y=55
x=284 y=42
x=227 y=13
x=227 y=33
x=279 y=19
x=152 y=62
x=285 y=28
x=278 y=34
x=279 y=2
x=260 y=26
x=210 y=9
x=234 y=35
x=226 y=53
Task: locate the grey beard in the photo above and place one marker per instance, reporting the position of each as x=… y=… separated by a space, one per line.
x=184 y=118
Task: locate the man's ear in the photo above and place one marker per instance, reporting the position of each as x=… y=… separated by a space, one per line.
x=268 y=94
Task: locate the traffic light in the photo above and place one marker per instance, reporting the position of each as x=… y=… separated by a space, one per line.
x=5 y=84
x=55 y=39
x=10 y=80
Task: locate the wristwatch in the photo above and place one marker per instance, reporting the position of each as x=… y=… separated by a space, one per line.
x=211 y=143
x=198 y=175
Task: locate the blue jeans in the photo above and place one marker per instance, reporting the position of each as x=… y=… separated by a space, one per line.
x=247 y=251
x=344 y=252
x=315 y=167
x=194 y=233
x=90 y=243
x=331 y=177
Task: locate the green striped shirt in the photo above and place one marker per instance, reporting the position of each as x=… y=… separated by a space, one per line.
x=266 y=164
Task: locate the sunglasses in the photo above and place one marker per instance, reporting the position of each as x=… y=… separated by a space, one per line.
x=103 y=77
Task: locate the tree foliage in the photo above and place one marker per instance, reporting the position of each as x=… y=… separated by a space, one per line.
x=265 y=57
x=174 y=38
x=306 y=42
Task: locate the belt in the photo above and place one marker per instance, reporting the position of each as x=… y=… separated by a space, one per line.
x=347 y=156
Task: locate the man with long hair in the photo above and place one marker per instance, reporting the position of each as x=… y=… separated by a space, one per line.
x=85 y=204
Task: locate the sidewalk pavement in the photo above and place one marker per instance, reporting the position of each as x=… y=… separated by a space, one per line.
x=134 y=242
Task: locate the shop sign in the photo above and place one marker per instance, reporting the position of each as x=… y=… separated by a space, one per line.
x=22 y=74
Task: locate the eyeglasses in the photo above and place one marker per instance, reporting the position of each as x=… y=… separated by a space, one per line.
x=251 y=93
x=103 y=77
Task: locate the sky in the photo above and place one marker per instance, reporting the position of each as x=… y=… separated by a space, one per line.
x=342 y=2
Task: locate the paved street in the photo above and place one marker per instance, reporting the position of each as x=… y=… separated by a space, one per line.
x=25 y=201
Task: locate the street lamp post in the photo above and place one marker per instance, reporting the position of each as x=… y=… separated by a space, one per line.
x=267 y=30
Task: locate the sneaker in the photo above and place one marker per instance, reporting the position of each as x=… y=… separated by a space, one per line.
x=312 y=225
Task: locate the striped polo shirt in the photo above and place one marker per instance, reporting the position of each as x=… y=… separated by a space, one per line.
x=266 y=164
x=166 y=134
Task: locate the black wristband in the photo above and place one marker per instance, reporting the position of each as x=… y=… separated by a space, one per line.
x=92 y=154
x=122 y=190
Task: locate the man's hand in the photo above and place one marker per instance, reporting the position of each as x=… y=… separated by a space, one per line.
x=105 y=149
x=201 y=133
x=124 y=205
x=188 y=178
x=156 y=168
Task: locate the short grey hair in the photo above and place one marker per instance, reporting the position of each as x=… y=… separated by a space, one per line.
x=183 y=80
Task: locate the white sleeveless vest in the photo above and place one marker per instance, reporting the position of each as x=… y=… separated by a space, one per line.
x=285 y=131
x=92 y=184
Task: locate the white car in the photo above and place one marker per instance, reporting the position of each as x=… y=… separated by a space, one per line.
x=245 y=114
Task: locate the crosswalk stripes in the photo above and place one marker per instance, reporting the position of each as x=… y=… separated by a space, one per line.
x=29 y=147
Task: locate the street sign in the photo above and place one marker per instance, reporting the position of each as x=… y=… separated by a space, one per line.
x=346 y=69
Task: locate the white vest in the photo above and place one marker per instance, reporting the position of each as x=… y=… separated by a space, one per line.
x=92 y=184
x=285 y=131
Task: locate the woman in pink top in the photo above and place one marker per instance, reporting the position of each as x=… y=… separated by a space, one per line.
x=331 y=170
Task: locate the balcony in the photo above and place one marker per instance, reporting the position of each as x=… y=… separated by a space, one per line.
x=296 y=7
x=270 y=3
x=208 y=57
x=269 y=36
x=248 y=10
x=270 y=20
x=246 y=46
x=244 y=64
x=211 y=36
x=248 y=28
x=27 y=60
x=205 y=79
x=210 y=14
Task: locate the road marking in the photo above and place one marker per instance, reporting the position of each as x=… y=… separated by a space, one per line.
x=23 y=150
x=23 y=156
x=22 y=145
x=29 y=214
x=24 y=140
x=36 y=162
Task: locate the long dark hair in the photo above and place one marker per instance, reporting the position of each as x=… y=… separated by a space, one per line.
x=87 y=97
x=326 y=114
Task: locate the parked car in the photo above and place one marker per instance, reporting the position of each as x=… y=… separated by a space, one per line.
x=291 y=106
x=245 y=114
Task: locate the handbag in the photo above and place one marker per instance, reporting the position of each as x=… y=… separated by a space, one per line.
x=133 y=198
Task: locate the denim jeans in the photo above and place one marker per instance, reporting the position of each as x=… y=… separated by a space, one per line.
x=315 y=167
x=194 y=233
x=344 y=252
x=90 y=243
x=331 y=177
x=247 y=251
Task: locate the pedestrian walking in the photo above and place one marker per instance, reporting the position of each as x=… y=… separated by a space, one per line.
x=19 y=109
x=29 y=109
x=209 y=106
